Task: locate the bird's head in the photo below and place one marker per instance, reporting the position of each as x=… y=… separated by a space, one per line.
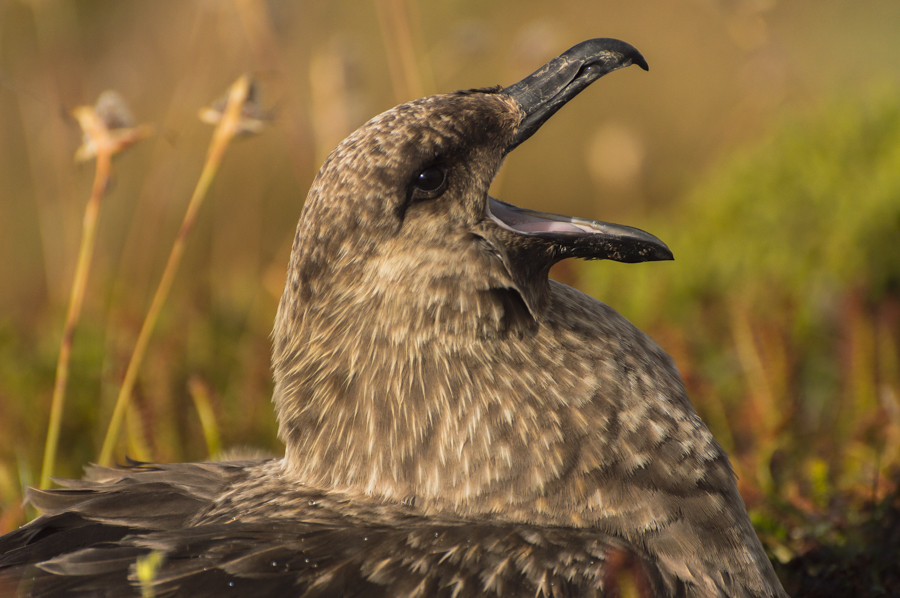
x=401 y=207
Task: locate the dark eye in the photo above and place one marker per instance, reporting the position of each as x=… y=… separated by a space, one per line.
x=430 y=180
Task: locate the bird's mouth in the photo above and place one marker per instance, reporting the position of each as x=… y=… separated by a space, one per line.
x=540 y=96
x=581 y=237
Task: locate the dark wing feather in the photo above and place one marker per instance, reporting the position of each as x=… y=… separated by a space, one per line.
x=294 y=559
x=88 y=518
x=93 y=534
x=419 y=559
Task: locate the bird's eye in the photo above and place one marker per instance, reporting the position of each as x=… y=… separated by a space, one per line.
x=430 y=181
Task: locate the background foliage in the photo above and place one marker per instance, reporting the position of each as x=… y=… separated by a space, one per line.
x=763 y=146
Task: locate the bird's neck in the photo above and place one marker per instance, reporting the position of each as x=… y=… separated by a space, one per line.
x=405 y=393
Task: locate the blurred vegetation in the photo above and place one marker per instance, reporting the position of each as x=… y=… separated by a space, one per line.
x=780 y=202
x=783 y=311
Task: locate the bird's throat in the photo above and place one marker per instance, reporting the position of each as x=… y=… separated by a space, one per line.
x=429 y=409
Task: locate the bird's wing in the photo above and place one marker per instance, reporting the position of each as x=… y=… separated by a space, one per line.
x=297 y=559
x=86 y=516
x=131 y=533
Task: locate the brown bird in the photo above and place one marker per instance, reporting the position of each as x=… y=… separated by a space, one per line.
x=456 y=424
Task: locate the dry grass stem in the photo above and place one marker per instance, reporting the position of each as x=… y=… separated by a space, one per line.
x=401 y=52
x=202 y=398
x=230 y=121
x=107 y=131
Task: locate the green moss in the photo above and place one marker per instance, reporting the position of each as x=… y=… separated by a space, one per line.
x=809 y=211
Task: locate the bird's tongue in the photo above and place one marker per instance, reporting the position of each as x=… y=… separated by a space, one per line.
x=546 y=226
x=527 y=221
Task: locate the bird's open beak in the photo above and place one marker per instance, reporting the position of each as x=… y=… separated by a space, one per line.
x=540 y=95
x=579 y=237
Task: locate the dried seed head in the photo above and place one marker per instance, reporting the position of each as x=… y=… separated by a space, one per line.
x=113 y=111
x=107 y=127
x=253 y=117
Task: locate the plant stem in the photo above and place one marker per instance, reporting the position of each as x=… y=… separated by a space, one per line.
x=76 y=300
x=222 y=135
x=401 y=51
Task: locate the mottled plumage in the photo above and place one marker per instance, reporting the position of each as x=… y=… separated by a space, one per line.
x=455 y=423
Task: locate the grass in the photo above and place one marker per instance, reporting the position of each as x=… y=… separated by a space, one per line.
x=107 y=131
x=228 y=125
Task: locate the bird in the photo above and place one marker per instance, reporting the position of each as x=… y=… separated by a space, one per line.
x=455 y=422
